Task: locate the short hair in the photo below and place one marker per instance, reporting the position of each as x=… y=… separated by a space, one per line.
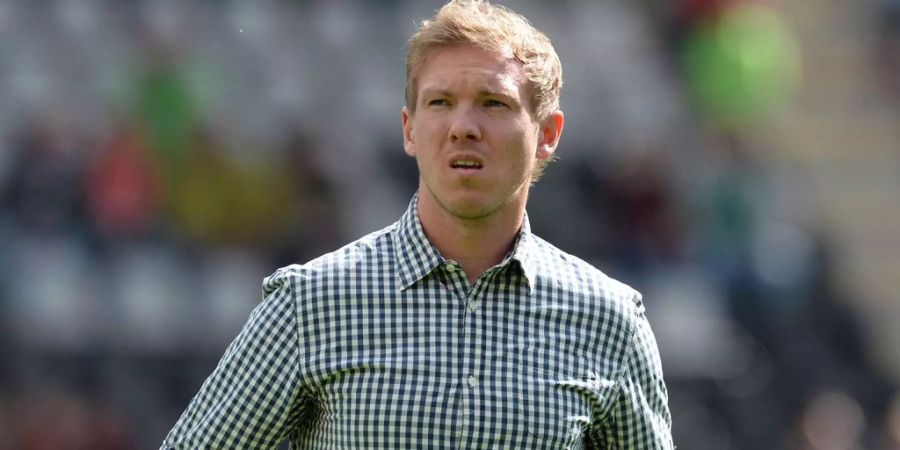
x=492 y=28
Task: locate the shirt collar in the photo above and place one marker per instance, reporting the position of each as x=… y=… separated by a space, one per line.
x=525 y=252
x=417 y=257
x=415 y=254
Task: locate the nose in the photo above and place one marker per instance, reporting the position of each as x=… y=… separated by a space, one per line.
x=465 y=126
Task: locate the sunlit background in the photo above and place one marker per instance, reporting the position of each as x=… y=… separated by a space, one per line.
x=736 y=161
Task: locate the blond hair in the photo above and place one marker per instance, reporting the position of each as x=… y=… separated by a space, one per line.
x=495 y=29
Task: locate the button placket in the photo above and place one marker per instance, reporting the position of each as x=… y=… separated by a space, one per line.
x=453 y=271
x=468 y=403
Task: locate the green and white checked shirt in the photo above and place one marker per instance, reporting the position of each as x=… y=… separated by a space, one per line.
x=384 y=344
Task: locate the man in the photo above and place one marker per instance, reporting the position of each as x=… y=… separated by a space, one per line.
x=455 y=327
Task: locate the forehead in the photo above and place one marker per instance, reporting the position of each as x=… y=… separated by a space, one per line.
x=462 y=66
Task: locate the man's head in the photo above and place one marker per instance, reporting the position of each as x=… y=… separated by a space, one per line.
x=482 y=118
x=493 y=29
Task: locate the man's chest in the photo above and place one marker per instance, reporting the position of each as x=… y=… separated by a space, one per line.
x=445 y=368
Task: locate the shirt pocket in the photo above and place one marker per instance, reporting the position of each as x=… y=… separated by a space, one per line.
x=558 y=396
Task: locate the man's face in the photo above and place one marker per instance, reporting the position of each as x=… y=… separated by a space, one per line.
x=472 y=133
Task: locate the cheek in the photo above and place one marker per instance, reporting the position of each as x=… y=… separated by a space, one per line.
x=429 y=135
x=521 y=143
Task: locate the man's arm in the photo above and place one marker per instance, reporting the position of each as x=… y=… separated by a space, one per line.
x=639 y=418
x=252 y=398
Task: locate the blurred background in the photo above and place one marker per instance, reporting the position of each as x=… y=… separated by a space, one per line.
x=736 y=161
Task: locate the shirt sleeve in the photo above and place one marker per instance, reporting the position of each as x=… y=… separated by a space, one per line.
x=640 y=417
x=252 y=399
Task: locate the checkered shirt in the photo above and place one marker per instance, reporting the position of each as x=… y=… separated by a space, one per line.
x=383 y=344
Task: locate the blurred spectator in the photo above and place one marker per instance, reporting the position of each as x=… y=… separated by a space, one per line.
x=632 y=200
x=216 y=200
x=832 y=420
x=728 y=215
x=165 y=102
x=43 y=192
x=59 y=418
x=740 y=60
x=124 y=186
x=312 y=223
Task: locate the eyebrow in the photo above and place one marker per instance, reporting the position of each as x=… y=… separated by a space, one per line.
x=440 y=92
x=486 y=93
x=481 y=93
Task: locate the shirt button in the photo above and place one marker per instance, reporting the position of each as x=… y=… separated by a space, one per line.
x=450 y=267
x=472 y=381
x=473 y=305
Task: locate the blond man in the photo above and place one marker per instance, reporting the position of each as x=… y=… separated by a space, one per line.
x=455 y=327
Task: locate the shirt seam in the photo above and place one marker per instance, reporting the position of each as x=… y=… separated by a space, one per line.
x=622 y=373
x=301 y=355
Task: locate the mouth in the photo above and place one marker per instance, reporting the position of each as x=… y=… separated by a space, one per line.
x=466 y=165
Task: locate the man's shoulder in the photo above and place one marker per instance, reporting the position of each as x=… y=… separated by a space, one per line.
x=369 y=254
x=563 y=271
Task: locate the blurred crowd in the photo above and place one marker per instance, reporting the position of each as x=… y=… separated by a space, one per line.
x=158 y=158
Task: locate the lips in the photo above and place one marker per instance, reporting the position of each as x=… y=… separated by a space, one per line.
x=466 y=162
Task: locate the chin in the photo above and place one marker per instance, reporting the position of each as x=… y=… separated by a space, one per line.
x=471 y=213
x=469 y=202
x=472 y=206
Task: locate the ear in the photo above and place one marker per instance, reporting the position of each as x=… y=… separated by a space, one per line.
x=409 y=145
x=549 y=134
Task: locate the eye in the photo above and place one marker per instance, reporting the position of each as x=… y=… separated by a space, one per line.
x=439 y=102
x=492 y=103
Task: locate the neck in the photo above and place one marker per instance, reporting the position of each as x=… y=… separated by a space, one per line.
x=477 y=244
